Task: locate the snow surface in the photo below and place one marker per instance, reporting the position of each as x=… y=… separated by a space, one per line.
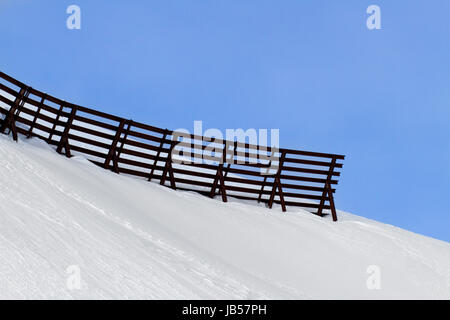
x=134 y=239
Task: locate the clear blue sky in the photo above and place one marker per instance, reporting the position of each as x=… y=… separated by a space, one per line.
x=310 y=68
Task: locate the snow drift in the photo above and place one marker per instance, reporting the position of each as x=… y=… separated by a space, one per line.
x=134 y=239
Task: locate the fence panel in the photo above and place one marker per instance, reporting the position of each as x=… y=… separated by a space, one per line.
x=210 y=166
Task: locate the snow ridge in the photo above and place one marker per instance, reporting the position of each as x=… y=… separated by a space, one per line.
x=134 y=239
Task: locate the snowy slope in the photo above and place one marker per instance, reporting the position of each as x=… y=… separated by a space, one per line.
x=134 y=239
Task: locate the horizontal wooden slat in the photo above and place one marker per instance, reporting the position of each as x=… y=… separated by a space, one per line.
x=99 y=113
x=138 y=164
x=8 y=90
x=6 y=100
x=194 y=182
x=92 y=132
x=308 y=179
x=43 y=117
x=194 y=173
x=146 y=136
x=142 y=145
x=312 y=154
x=36 y=125
x=149 y=128
x=268 y=192
x=201 y=165
x=303 y=204
x=88 y=151
x=312 y=162
x=88 y=141
x=311 y=171
x=138 y=154
x=47 y=108
x=94 y=122
x=11 y=80
x=36 y=135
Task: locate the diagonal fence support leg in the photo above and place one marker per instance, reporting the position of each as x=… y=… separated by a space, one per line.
x=263 y=185
x=225 y=173
x=52 y=131
x=36 y=115
x=10 y=120
x=281 y=195
x=262 y=189
x=221 y=175
x=64 y=141
x=22 y=103
x=331 y=200
x=158 y=153
x=112 y=155
x=168 y=169
x=219 y=179
x=119 y=151
x=326 y=190
x=277 y=185
x=223 y=189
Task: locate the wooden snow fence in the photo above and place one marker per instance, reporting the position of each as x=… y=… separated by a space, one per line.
x=193 y=163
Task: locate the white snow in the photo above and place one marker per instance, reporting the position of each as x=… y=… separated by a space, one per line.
x=134 y=239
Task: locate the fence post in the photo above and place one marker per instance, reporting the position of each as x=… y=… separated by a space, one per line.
x=225 y=173
x=265 y=178
x=331 y=201
x=10 y=119
x=22 y=103
x=58 y=115
x=227 y=168
x=64 y=141
x=327 y=191
x=112 y=150
x=168 y=168
x=262 y=189
x=30 y=130
x=277 y=184
x=220 y=178
x=124 y=139
x=157 y=155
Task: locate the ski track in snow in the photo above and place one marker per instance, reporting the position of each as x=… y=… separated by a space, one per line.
x=134 y=239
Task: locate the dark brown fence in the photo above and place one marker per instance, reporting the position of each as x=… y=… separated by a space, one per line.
x=246 y=171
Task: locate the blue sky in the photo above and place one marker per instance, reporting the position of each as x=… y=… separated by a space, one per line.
x=310 y=68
